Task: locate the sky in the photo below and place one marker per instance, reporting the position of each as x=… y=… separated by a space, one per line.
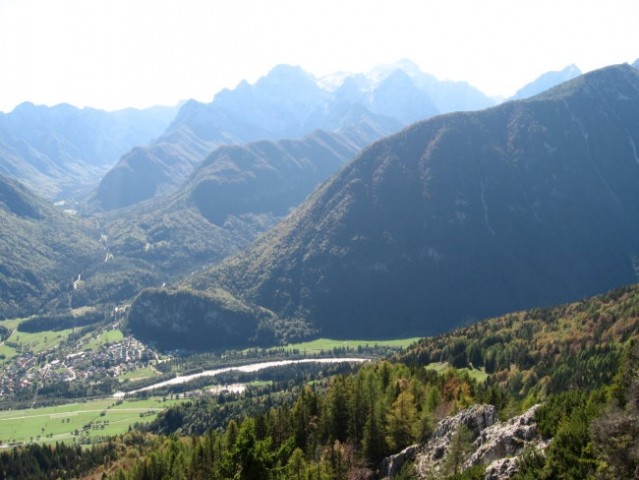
x=112 y=54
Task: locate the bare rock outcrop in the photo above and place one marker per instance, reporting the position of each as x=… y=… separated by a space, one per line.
x=497 y=444
x=505 y=439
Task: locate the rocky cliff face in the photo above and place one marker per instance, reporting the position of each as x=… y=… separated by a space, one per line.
x=496 y=444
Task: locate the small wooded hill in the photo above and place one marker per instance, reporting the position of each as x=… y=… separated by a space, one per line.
x=461 y=217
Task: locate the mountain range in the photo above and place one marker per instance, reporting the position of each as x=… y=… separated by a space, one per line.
x=285 y=103
x=62 y=151
x=236 y=193
x=239 y=191
x=453 y=219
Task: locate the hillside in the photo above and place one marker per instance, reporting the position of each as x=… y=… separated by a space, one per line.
x=43 y=250
x=285 y=103
x=235 y=194
x=61 y=151
x=461 y=217
x=559 y=405
x=542 y=351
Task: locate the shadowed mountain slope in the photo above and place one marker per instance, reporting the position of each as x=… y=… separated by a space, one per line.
x=460 y=217
x=234 y=195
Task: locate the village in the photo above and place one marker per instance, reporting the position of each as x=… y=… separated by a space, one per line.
x=110 y=360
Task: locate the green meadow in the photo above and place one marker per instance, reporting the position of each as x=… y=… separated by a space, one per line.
x=478 y=374
x=326 y=344
x=78 y=422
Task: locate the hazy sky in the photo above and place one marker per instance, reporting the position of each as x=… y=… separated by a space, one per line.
x=116 y=53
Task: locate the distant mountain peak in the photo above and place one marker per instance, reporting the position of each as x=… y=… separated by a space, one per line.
x=289 y=102
x=614 y=82
x=286 y=75
x=546 y=81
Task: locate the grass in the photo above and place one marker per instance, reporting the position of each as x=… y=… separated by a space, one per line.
x=72 y=422
x=139 y=374
x=38 y=342
x=6 y=351
x=102 y=338
x=13 y=323
x=439 y=367
x=30 y=342
x=477 y=374
x=327 y=344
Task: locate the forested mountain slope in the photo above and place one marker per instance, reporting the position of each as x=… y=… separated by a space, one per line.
x=458 y=218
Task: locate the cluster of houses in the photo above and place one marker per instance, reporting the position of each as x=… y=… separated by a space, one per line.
x=109 y=360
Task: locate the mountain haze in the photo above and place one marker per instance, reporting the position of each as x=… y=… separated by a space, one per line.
x=461 y=217
x=285 y=103
x=546 y=81
x=62 y=151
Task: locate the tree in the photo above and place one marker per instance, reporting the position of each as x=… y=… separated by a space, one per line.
x=401 y=422
x=338 y=410
x=616 y=433
x=373 y=444
x=460 y=446
x=297 y=465
x=251 y=457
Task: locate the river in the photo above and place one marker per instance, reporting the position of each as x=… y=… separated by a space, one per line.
x=252 y=367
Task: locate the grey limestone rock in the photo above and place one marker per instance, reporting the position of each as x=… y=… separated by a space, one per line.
x=497 y=444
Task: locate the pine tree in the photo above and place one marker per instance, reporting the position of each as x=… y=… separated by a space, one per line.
x=401 y=422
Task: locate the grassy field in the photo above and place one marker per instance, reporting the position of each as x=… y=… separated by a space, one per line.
x=38 y=342
x=139 y=374
x=327 y=344
x=34 y=342
x=73 y=422
x=478 y=374
x=107 y=336
x=5 y=350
